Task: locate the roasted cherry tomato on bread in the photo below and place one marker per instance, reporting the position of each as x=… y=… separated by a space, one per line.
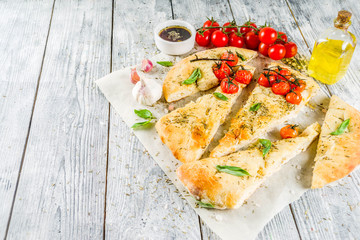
x=219 y=39
x=228 y=55
x=298 y=86
x=294 y=97
x=202 y=37
x=221 y=70
x=267 y=79
x=252 y=40
x=243 y=76
x=248 y=27
x=236 y=40
x=230 y=30
x=281 y=87
x=283 y=73
x=277 y=51
x=211 y=23
x=229 y=85
x=268 y=35
x=291 y=49
x=289 y=131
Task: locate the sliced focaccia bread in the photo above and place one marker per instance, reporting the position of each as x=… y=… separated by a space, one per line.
x=338 y=151
x=173 y=88
x=226 y=182
x=187 y=131
x=263 y=111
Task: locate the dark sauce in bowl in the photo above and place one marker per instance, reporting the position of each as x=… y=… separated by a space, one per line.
x=175 y=33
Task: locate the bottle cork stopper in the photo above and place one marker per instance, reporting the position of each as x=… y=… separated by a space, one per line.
x=343 y=19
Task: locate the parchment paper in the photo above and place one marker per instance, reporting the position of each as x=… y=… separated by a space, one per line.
x=278 y=191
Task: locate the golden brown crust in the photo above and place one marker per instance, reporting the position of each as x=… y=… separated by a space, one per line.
x=173 y=89
x=187 y=131
x=337 y=155
x=224 y=190
x=247 y=125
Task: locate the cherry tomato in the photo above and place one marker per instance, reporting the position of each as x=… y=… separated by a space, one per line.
x=283 y=74
x=267 y=79
x=289 y=131
x=263 y=49
x=281 y=87
x=219 y=39
x=268 y=35
x=229 y=85
x=230 y=30
x=228 y=55
x=252 y=40
x=298 y=86
x=202 y=37
x=211 y=23
x=221 y=70
x=294 y=98
x=276 y=52
x=291 y=49
x=236 y=41
x=243 y=76
x=282 y=38
x=247 y=29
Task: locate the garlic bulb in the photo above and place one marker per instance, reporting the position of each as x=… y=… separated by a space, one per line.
x=147 y=91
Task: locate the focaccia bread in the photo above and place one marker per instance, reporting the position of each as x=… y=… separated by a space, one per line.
x=248 y=125
x=173 y=89
x=187 y=131
x=337 y=155
x=223 y=190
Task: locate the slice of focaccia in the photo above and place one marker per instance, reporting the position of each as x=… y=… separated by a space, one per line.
x=222 y=190
x=337 y=155
x=173 y=88
x=248 y=125
x=187 y=131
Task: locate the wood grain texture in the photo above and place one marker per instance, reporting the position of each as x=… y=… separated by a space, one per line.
x=62 y=184
x=22 y=45
x=142 y=203
x=331 y=212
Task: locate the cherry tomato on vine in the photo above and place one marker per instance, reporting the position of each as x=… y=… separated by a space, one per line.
x=248 y=29
x=276 y=52
x=268 y=35
x=267 y=79
x=281 y=87
x=263 y=49
x=282 y=38
x=219 y=39
x=211 y=23
x=230 y=30
x=228 y=55
x=283 y=74
x=291 y=49
x=221 y=70
x=243 y=76
x=236 y=41
x=229 y=85
x=289 y=131
x=298 y=86
x=294 y=98
x=252 y=40
x=202 y=37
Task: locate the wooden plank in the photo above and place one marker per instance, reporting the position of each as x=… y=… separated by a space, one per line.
x=21 y=59
x=141 y=200
x=61 y=189
x=331 y=212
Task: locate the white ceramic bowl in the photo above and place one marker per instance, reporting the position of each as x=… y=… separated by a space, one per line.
x=174 y=48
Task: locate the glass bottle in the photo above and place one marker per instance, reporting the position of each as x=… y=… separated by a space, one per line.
x=333 y=50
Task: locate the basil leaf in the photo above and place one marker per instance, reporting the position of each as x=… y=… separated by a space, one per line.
x=220 y=96
x=204 y=205
x=266 y=144
x=193 y=77
x=240 y=56
x=144 y=113
x=165 y=63
x=255 y=107
x=236 y=171
x=140 y=124
x=341 y=129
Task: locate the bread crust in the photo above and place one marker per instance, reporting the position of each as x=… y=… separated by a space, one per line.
x=173 y=89
x=337 y=155
x=224 y=190
x=247 y=125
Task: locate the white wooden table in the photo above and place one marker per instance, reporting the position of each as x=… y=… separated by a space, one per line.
x=69 y=166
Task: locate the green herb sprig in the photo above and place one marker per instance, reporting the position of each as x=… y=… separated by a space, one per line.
x=143 y=113
x=255 y=107
x=165 y=63
x=220 y=96
x=240 y=56
x=196 y=74
x=236 y=171
x=341 y=129
x=266 y=144
x=204 y=205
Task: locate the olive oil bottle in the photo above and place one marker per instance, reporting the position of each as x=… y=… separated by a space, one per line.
x=333 y=50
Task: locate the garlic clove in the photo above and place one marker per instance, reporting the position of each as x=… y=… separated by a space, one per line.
x=146 y=65
x=147 y=91
x=134 y=76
